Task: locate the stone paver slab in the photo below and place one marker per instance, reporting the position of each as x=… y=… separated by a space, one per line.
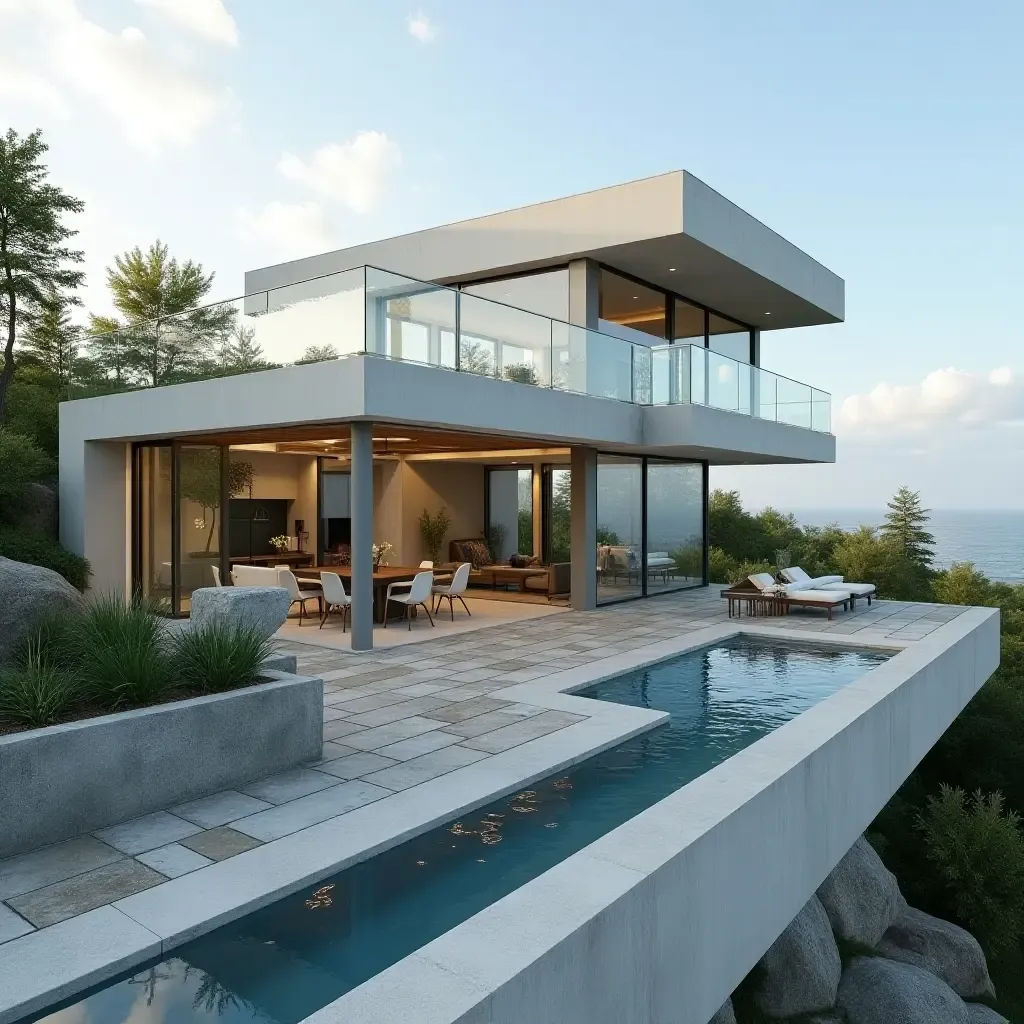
x=221 y=843
x=373 y=739
x=220 y=808
x=289 y=785
x=488 y=723
x=74 y=896
x=522 y=732
x=51 y=864
x=415 y=746
x=12 y=925
x=147 y=832
x=469 y=708
x=309 y=810
x=360 y=763
x=340 y=729
x=422 y=769
x=396 y=712
x=173 y=860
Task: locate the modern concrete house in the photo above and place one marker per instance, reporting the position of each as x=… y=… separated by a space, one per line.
x=558 y=378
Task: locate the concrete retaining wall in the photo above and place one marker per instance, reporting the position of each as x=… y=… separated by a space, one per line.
x=660 y=919
x=68 y=779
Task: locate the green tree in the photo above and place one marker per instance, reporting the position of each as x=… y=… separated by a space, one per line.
x=318 y=354
x=865 y=555
x=240 y=353
x=34 y=259
x=905 y=525
x=166 y=336
x=53 y=340
x=963 y=584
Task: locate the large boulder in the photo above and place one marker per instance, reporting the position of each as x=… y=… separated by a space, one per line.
x=726 y=1014
x=878 y=991
x=800 y=972
x=27 y=593
x=38 y=510
x=979 y=1013
x=942 y=949
x=861 y=896
x=263 y=609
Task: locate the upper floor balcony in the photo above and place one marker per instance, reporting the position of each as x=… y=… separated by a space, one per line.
x=374 y=312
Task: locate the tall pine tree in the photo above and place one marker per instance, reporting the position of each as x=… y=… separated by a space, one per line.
x=905 y=526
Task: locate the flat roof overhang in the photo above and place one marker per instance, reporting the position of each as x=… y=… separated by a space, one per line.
x=672 y=230
x=319 y=398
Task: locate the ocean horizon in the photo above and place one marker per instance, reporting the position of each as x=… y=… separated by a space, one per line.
x=992 y=540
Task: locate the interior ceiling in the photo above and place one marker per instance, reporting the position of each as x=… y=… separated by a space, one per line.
x=388 y=440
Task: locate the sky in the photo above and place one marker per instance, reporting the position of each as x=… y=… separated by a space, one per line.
x=884 y=139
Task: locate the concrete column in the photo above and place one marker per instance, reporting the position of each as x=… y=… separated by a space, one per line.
x=583 y=528
x=106 y=515
x=584 y=293
x=755 y=376
x=538 y=509
x=362 y=536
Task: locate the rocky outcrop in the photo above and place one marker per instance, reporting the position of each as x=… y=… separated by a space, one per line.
x=726 y=1014
x=27 y=593
x=879 y=991
x=800 y=972
x=37 y=510
x=979 y=1013
x=942 y=949
x=861 y=896
x=263 y=609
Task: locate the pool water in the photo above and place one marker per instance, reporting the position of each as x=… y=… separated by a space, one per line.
x=280 y=964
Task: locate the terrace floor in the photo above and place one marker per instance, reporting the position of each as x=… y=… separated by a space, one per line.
x=395 y=719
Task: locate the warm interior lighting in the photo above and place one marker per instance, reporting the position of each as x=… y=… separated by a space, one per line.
x=393 y=440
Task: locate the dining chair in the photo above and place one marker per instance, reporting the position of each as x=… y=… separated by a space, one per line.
x=453 y=590
x=405 y=584
x=335 y=598
x=215 y=569
x=314 y=592
x=419 y=594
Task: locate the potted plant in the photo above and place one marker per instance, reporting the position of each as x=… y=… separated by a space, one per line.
x=433 y=530
x=279 y=543
x=380 y=551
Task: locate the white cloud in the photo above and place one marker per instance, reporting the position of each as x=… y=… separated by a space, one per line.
x=944 y=398
x=290 y=229
x=354 y=172
x=421 y=27
x=22 y=86
x=155 y=103
x=207 y=18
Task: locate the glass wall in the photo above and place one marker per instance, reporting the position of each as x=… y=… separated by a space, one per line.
x=153 y=576
x=626 y=306
x=199 y=519
x=557 y=492
x=729 y=338
x=619 y=528
x=509 y=512
x=546 y=293
x=675 y=525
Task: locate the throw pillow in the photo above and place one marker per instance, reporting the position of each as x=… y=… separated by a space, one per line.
x=476 y=551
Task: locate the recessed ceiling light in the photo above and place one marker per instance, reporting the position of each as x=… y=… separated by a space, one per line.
x=396 y=440
x=636 y=296
x=671 y=270
x=768 y=312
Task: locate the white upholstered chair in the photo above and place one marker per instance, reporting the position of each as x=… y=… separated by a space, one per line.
x=335 y=598
x=418 y=593
x=454 y=590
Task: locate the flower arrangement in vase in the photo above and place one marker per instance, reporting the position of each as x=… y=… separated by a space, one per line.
x=279 y=543
x=379 y=552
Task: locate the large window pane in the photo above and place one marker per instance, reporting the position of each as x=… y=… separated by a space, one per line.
x=509 y=512
x=546 y=293
x=501 y=341
x=619 y=527
x=153 y=538
x=557 y=514
x=729 y=338
x=199 y=494
x=675 y=525
x=627 y=307
x=410 y=320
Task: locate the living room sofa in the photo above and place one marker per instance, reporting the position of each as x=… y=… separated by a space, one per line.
x=527 y=574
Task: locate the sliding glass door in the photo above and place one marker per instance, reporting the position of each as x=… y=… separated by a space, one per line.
x=152 y=525
x=509 y=512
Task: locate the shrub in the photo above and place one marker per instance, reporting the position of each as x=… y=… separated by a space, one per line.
x=37 y=549
x=53 y=641
x=122 y=653
x=720 y=566
x=21 y=462
x=36 y=693
x=978 y=854
x=217 y=658
x=962 y=584
x=433 y=530
x=738 y=573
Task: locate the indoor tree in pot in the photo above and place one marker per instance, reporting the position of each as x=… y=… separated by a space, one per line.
x=433 y=529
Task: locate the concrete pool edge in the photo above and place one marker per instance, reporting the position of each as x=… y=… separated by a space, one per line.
x=56 y=963
x=737 y=853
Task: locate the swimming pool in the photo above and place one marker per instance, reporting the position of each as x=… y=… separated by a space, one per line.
x=281 y=963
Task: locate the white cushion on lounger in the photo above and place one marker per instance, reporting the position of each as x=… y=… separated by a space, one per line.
x=857 y=589
x=817 y=596
x=761 y=580
x=797 y=575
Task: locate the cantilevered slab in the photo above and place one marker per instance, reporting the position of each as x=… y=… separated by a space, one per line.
x=672 y=230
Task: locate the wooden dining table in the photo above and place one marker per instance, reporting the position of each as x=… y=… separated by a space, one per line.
x=382 y=578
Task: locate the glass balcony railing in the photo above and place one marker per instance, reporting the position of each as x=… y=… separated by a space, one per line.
x=375 y=312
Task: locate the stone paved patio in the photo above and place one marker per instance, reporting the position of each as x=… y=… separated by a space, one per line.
x=393 y=720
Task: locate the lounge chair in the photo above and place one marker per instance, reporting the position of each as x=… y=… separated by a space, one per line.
x=795 y=574
x=798 y=594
